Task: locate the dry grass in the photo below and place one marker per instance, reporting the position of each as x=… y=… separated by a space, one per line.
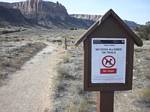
x=13 y=59
x=146 y=95
x=69 y=94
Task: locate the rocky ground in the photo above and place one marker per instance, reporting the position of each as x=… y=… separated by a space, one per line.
x=70 y=87
x=138 y=99
x=19 y=45
x=14 y=51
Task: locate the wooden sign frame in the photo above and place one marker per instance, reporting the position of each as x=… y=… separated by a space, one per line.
x=109 y=26
x=107 y=86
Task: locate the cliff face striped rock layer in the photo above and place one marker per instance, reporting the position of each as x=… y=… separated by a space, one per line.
x=45 y=13
x=41 y=10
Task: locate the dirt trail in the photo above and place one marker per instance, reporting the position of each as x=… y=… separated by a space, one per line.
x=28 y=90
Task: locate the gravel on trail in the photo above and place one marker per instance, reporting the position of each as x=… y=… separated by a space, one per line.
x=28 y=89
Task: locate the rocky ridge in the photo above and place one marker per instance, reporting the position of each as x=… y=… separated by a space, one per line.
x=86 y=16
x=48 y=14
x=10 y=16
x=38 y=9
x=94 y=18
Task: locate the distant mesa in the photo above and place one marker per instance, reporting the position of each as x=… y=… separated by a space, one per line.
x=45 y=13
x=86 y=16
x=94 y=18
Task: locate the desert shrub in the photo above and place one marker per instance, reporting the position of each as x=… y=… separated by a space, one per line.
x=148 y=76
x=80 y=104
x=64 y=72
x=10 y=31
x=3 y=75
x=69 y=88
x=73 y=28
x=61 y=87
x=146 y=96
x=83 y=105
x=144 y=31
x=66 y=58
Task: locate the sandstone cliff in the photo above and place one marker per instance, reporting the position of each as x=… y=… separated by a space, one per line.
x=9 y=16
x=49 y=14
x=43 y=12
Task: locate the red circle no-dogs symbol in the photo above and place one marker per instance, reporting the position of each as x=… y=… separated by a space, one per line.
x=108 y=61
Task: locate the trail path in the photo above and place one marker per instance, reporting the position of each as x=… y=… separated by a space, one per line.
x=29 y=89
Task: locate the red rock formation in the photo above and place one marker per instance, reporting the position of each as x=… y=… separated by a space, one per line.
x=42 y=9
x=33 y=5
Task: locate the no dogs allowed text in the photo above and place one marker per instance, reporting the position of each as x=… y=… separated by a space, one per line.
x=108 y=60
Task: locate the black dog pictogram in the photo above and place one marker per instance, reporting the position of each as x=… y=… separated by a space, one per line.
x=108 y=61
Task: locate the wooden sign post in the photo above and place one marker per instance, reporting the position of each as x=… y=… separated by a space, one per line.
x=108 y=58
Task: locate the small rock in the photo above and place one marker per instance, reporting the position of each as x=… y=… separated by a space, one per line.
x=134 y=78
x=139 y=60
x=125 y=95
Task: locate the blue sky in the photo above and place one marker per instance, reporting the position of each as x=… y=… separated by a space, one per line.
x=136 y=10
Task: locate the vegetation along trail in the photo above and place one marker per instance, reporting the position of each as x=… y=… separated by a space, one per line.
x=28 y=90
